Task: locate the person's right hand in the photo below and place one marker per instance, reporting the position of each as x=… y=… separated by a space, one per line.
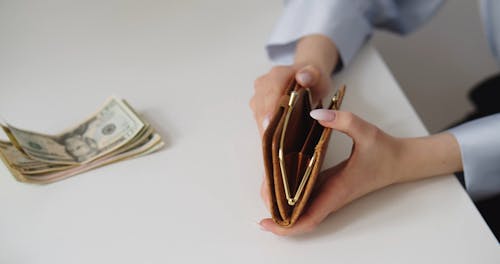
x=271 y=86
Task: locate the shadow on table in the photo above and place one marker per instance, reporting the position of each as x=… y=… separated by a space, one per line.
x=369 y=213
x=161 y=124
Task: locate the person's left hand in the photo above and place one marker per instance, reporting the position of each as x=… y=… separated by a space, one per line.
x=377 y=160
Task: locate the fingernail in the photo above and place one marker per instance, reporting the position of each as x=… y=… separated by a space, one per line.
x=304 y=77
x=265 y=122
x=323 y=115
x=262 y=227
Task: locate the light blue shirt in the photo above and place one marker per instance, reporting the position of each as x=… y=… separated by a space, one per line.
x=350 y=23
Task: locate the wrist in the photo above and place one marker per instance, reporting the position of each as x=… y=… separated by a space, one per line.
x=430 y=156
x=317 y=50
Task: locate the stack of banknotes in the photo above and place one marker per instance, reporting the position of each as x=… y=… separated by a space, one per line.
x=116 y=132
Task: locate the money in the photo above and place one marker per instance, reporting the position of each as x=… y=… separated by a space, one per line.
x=114 y=133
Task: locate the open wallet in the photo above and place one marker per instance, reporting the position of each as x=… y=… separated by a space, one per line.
x=294 y=146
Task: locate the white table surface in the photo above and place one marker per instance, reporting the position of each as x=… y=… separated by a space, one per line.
x=189 y=67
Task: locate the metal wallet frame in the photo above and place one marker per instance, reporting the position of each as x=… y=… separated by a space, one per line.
x=334 y=105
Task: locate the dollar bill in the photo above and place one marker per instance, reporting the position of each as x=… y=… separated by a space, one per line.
x=25 y=164
x=15 y=156
x=116 y=132
x=110 y=128
x=152 y=145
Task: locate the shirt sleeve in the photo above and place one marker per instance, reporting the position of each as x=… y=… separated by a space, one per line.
x=479 y=142
x=347 y=23
x=491 y=24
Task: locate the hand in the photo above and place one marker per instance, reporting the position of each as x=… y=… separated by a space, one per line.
x=271 y=86
x=377 y=160
x=315 y=58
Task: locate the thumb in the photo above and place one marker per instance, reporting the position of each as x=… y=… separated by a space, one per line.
x=308 y=76
x=345 y=122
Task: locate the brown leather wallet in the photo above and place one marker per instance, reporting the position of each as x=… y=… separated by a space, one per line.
x=294 y=146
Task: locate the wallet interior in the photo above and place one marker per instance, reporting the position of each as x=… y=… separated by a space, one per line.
x=302 y=136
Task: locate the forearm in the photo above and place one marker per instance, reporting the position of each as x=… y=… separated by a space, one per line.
x=430 y=156
x=317 y=50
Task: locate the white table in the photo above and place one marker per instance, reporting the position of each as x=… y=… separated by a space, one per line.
x=189 y=67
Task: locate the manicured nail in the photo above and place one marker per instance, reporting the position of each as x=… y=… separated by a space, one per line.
x=265 y=122
x=323 y=115
x=262 y=227
x=304 y=77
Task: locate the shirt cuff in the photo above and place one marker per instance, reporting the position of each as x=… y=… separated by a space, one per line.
x=341 y=21
x=479 y=142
